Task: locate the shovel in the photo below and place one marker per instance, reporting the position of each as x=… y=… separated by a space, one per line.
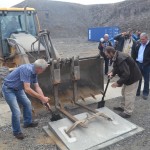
x=55 y=117
x=102 y=102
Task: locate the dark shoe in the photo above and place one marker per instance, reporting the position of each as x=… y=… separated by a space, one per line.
x=118 y=109
x=137 y=94
x=124 y=115
x=145 y=97
x=19 y=136
x=31 y=125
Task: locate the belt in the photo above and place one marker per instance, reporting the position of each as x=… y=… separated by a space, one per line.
x=15 y=89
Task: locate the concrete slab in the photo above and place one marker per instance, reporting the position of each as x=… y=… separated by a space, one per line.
x=61 y=146
x=99 y=130
x=117 y=139
x=54 y=138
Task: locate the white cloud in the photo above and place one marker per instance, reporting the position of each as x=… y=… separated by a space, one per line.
x=9 y=3
x=87 y=2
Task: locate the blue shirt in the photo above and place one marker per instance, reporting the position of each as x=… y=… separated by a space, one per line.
x=23 y=74
x=141 y=52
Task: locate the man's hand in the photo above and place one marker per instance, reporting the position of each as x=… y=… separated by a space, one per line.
x=47 y=105
x=45 y=99
x=37 y=94
x=110 y=75
x=114 y=85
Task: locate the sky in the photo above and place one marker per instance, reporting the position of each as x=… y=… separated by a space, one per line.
x=9 y=3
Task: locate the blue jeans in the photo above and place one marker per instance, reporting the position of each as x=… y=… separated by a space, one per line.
x=145 y=70
x=14 y=98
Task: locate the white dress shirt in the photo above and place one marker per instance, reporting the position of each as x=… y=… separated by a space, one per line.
x=141 y=52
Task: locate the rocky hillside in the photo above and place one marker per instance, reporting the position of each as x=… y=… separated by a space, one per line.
x=72 y=20
x=128 y=14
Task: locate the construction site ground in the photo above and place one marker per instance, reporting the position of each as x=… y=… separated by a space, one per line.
x=36 y=138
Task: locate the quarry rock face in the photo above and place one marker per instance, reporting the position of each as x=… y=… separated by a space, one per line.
x=73 y=20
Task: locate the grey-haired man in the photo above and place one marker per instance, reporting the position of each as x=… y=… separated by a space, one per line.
x=104 y=42
x=141 y=54
x=15 y=85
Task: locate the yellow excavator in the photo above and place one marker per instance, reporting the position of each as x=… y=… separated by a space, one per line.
x=67 y=79
x=18 y=27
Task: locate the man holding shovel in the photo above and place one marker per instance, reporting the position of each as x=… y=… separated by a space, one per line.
x=129 y=75
x=15 y=85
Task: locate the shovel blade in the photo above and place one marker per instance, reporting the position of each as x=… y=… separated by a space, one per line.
x=55 y=117
x=101 y=104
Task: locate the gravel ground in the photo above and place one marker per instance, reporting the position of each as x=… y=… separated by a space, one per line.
x=68 y=47
x=37 y=140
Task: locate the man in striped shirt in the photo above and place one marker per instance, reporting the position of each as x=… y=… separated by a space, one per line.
x=14 y=87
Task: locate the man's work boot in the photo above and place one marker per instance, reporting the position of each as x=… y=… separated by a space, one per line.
x=124 y=115
x=118 y=109
x=31 y=125
x=19 y=136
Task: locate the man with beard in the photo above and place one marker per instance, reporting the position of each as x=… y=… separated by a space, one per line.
x=129 y=75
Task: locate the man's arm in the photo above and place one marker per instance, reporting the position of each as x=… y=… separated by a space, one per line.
x=100 y=46
x=31 y=92
x=113 y=71
x=125 y=71
x=133 y=51
x=38 y=89
x=117 y=37
x=124 y=68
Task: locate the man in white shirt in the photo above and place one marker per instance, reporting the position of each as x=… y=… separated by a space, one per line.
x=141 y=54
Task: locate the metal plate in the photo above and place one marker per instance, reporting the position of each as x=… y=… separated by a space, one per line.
x=99 y=131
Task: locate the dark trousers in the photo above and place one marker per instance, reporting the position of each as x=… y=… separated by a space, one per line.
x=106 y=60
x=106 y=64
x=145 y=70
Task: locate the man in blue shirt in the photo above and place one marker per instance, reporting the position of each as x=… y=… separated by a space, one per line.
x=141 y=54
x=14 y=87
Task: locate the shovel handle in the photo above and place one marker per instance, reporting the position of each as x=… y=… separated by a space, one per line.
x=106 y=89
x=47 y=106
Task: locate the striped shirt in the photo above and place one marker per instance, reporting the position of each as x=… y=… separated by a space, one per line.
x=23 y=74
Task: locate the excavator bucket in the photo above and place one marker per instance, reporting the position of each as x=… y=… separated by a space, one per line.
x=76 y=78
x=90 y=82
